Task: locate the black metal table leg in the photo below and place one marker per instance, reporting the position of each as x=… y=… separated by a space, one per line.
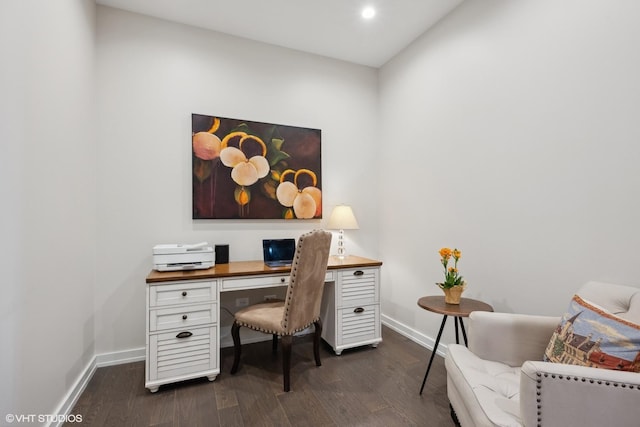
x=464 y=333
x=433 y=353
x=438 y=304
x=455 y=321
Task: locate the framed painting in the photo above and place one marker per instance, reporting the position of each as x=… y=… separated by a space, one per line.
x=252 y=170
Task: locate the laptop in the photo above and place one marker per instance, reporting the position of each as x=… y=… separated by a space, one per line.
x=278 y=252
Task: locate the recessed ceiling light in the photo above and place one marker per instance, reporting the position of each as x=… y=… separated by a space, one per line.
x=368 y=12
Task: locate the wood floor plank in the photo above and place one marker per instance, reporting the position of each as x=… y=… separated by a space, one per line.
x=364 y=386
x=343 y=408
x=196 y=406
x=388 y=417
x=225 y=397
x=304 y=408
x=163 y=408
x=231 y=417
x=257 y=400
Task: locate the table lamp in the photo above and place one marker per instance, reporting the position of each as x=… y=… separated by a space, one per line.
x=342 y=218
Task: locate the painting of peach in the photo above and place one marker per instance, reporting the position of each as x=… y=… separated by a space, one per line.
x=252 y=170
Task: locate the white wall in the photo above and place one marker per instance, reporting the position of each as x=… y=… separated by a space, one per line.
x=508 y=130
x=151 y=75
x=48 y=215
x=511 y=131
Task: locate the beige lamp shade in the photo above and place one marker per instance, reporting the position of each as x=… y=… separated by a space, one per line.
x=342 y=218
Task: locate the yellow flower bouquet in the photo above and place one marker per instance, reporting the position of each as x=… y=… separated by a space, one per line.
x=452 y=276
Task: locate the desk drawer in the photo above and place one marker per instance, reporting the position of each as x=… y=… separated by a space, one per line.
x=357 y=287
x=182 y=317
x=170 y=356
x=358 y=324
x=182 y=293
x=238 y=283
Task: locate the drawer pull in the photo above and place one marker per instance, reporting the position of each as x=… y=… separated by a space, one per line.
x=282 y=280
x=359 y=310
x=185 y=334
x=358 y=273
x=184 y=293
x=184 y=317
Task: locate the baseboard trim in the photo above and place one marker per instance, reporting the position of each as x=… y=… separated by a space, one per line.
x=413 y=335
x=120 y=357
x=73 y=394
x=98 y=361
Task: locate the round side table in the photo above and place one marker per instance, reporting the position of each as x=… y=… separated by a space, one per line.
x=437 y=305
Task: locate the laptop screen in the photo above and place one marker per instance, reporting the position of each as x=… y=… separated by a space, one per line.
x=278 y=251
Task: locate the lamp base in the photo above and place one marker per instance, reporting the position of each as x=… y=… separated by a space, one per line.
x=341 y=250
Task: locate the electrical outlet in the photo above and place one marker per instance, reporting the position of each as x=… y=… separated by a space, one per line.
x=270 y=297
x=242 y=302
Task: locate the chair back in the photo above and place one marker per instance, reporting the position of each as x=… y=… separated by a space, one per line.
x=621 y=300
x=306 y=282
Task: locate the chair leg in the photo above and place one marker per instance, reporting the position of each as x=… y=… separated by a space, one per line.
x=316 y=341
x=274 y=343
x=235 y=334
x=286 y=359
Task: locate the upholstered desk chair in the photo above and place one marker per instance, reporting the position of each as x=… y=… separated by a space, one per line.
x=301 y=306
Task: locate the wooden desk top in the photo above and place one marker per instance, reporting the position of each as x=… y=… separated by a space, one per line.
x=436 y=304
x=252 y=268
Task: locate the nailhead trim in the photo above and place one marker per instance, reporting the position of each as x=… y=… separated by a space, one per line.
x=539 y=376
x=279 y=333
x=292 y=284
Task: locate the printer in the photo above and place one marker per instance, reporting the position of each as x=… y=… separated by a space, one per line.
x=175 y=257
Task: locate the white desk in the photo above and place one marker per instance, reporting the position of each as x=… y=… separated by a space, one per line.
x=183 y=312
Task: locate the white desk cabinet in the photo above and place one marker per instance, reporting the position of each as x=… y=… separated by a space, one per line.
x=182 y=332
x=351 y=309
x=183 y=312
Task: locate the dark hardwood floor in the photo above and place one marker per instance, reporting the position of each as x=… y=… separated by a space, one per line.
x=362 y=387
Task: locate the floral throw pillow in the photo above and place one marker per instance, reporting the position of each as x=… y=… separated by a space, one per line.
x=591 y=336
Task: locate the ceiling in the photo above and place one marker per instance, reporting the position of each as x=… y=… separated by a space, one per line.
x=332 y=28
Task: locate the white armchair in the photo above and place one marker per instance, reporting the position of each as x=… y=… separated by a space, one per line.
x=501 y=380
